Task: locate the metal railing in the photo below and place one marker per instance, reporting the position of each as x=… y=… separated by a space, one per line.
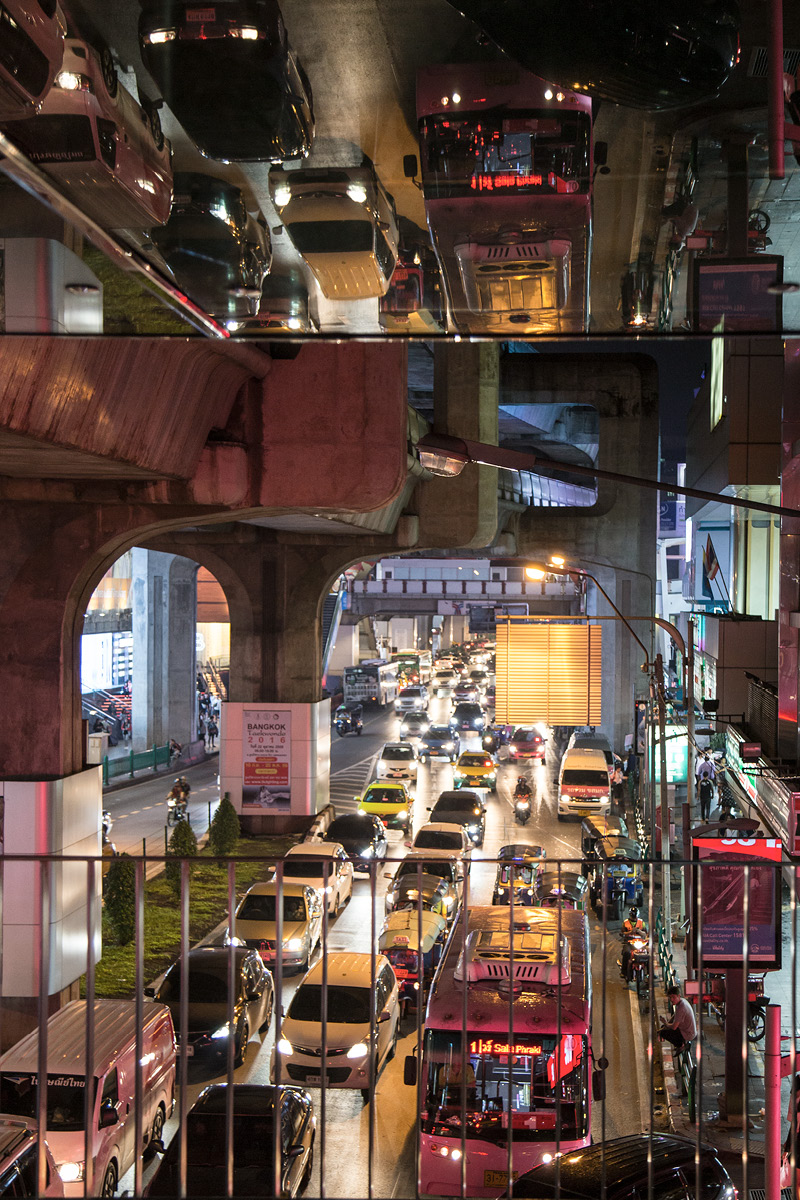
x=135 y=760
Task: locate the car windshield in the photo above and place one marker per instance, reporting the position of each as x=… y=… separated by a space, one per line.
x=346 y=1005
x=442 y=868
x=526 y=735
x=205 y=986
x=432 y=839
x=331 y=237
x=585 y=778
x=306 y=868
x=411 y=692
x=474 y=760
x=467 y=710
x=263 y=908
x=454 y=803
x=440 y=733
x=349 y=827
x=384 y=795
x=65 y=1094
x=398 y=753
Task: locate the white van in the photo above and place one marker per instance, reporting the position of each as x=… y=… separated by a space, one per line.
x=584 y=740
x=584 y=784
x=112 y=1079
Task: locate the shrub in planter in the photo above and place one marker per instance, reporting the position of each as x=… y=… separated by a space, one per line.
x=182 y=844
x=120 y=898
x=224 y=831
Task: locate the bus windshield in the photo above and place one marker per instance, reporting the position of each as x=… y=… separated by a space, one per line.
x=501 y=151
x=539 y=1093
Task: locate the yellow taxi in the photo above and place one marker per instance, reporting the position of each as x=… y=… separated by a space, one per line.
x=475 y=769
x=390 y=801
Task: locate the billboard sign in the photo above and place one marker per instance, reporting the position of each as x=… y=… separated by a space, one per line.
x=718 y=901
x=548 y=669
x=266 y=760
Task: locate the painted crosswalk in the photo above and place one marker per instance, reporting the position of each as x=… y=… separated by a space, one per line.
x=349 y=782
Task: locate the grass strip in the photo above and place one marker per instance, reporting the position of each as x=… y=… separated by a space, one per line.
x=115 y=975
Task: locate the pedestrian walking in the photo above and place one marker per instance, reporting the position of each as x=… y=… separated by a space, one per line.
x=705 y=792
x=201 y=729
x=212 y=734
x=617 y=782
x=705 y=768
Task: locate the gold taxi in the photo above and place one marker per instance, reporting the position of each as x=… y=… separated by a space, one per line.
x=390 y=801
x=475 y=769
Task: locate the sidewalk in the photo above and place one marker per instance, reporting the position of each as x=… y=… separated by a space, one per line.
x=193 y=754
x=730 y=1140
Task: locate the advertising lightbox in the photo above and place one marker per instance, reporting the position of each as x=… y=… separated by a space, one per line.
x=548 y=669
x=718 y=901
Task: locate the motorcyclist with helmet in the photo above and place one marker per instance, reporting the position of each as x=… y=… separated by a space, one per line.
x=178 y=796
x=523 y=789
x=632 y=927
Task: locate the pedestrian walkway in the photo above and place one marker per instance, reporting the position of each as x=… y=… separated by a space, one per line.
x=734 y=1142
x=130 y=768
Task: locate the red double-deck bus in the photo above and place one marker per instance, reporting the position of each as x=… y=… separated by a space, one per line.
x=506 y=168
x=504 y=1076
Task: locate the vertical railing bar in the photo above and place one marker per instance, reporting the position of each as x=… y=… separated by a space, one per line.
x=794 y=1098
x=509 y=1081
x=229 y=1165
x=373 y=1058
x=45 y=881
x=324 y=1045
x=697 y=935
x=418 y=1024
x=651 y=1046
x=279 y=894
x=138 y=1090
x=88 y=1095
x=183 y=1035
x=745 y=991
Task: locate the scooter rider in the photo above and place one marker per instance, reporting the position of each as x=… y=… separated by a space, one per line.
x=633 y=926
x=523 y=789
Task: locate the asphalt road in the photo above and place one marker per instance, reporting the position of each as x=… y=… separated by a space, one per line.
x=349 y=1126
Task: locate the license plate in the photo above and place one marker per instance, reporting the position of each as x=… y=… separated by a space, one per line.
x=201 y=14
x=497 y=1178
x=313 y=1079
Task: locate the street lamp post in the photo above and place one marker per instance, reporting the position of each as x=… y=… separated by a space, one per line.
x=655 y=671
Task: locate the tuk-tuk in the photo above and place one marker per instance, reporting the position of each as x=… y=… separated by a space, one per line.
x=520 y=864
x=567 y=889
x=410 y=891
x=617 y=859
x=400 y=942
x=595 y=828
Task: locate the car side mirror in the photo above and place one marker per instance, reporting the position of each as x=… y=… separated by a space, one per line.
x=598 y=1085
x=385 y=1015
x=150 y=992
x=410 y=1070
x=108 y=1117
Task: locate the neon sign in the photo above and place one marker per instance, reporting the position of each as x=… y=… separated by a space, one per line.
x=490 y=1046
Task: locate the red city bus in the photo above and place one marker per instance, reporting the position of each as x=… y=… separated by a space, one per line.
x=506 y=1052
x=506 y=166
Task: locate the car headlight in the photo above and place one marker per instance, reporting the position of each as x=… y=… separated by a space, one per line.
x=283 y=194
x=284 y=1046
x=449 y=746
x=367 y=852
x=71 y=1172
x=358 y=1051
x=159 y=36
x=72 y=81
x=357 y=193
x=390 y=898
x=403 y=813
x=361 y=808
x=457 y=773
x=449 y=901
x=222 y=1032
x=293 y=944
x=473 y=828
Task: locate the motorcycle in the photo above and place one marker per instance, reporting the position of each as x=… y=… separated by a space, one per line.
x=713 y=995
x=522 y=809
x=639 y=963
x=177 y=807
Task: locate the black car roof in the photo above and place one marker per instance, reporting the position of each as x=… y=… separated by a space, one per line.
x=622 y=1160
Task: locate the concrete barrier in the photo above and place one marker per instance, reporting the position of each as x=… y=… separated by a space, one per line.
x=321 y=824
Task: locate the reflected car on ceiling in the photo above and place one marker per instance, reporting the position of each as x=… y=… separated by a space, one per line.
x=231 y=78
x=650 y=56
x=31 y=49
x=218 y=252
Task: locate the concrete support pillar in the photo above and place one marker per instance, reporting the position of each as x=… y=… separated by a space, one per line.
x=164 y=602
x=462 y=513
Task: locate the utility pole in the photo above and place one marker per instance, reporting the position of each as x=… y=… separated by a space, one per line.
x=666 y=906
